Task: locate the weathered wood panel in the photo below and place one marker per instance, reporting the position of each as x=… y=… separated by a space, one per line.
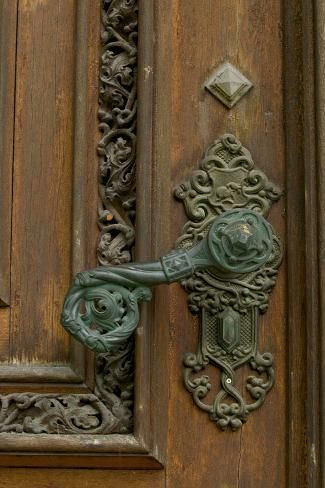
x=78 y=78
x=42 y=188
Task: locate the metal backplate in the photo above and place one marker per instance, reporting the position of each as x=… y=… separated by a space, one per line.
x=229 y=306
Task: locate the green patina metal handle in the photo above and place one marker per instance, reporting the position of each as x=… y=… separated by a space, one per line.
x=101 y=307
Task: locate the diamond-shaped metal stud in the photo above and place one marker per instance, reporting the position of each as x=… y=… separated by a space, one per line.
x=228 y=84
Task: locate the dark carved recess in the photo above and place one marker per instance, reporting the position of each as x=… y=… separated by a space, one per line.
x=117 y=115
x=117 y=152
x=110 y=408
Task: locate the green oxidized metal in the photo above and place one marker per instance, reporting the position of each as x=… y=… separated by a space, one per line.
x=101 y=308
x=229 y=304
x=227 y=260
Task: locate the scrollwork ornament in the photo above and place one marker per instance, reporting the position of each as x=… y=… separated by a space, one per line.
x=228 y=180
x=117 y=149
x=117 y=117
x=108 y=410
x=101 y=308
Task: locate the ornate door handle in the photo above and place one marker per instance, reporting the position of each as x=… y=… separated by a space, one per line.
x=101 y=307
x=227 y=259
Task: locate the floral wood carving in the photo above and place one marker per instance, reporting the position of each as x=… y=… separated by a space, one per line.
x=227 y=179
x=110 y=408
x=117 y=151
x=117 y=116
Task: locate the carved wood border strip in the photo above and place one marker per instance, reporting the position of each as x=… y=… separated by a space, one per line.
x=117 y=116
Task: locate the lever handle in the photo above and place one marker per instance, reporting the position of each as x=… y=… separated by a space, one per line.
x=101 y=307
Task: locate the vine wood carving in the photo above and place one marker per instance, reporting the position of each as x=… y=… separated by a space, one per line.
x=110 y=408
x=117 y=116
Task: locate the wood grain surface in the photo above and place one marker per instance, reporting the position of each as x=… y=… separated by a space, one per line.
x=42 y=187
x=69 y=478
x=55 y=177
x=317 y=462
x=302 y=247
x=8 y=35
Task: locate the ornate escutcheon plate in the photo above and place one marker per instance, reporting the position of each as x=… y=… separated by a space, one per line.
x=229 y=306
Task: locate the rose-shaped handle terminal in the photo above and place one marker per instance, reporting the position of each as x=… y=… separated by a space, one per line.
x=240 y=241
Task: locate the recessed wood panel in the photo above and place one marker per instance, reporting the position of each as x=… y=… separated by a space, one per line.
x=42 y=186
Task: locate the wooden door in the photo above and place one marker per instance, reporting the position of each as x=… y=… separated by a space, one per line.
x=104 y=111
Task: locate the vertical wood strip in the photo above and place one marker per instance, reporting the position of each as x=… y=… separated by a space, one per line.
x=144 y=251
x=85 y=166
x=162 y=226
x=192 y=41
x=296 y=333
x=304 y=338
x=319 y=16
x=312 y=267
x=8 y=31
